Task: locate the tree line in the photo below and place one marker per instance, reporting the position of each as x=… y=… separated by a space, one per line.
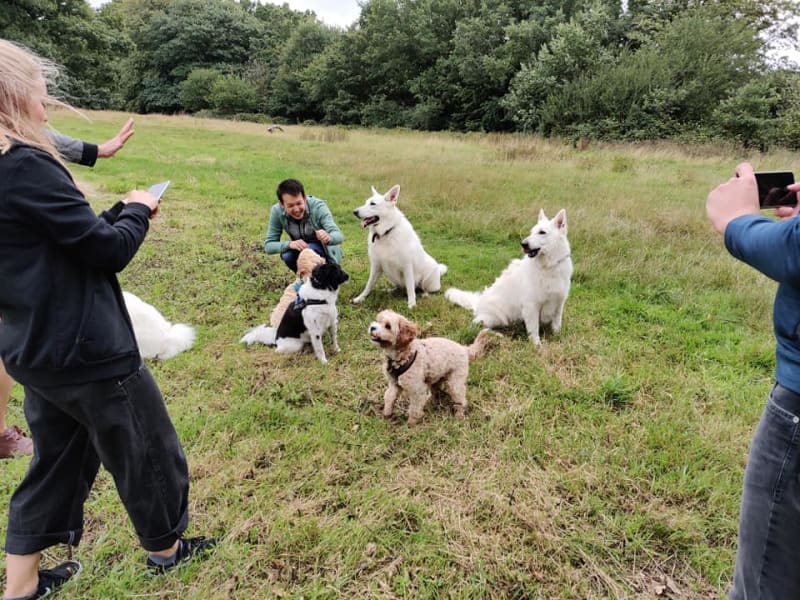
x=647 y=69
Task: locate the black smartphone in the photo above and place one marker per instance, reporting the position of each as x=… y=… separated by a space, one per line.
x=772 y=190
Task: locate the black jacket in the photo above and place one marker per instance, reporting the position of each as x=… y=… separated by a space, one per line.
x=62 y=315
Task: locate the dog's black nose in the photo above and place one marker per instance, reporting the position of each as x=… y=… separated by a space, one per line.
x=355 y=212
x=525 y=244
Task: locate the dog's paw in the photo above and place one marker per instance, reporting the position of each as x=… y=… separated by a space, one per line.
x=536 y=340
x=336 y=349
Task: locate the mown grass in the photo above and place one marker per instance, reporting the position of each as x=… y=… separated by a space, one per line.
x=607 y=464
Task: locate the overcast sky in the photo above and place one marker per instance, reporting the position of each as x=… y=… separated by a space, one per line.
x=333 y=12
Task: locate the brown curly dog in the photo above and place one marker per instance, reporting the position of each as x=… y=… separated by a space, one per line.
x=414 y=366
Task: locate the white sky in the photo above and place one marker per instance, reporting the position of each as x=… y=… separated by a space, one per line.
x=333 y=12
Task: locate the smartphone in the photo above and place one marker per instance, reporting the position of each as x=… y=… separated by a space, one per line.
x=158 y=189
x=772 y=190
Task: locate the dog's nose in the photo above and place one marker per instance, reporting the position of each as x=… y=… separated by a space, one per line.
x=355 y=212
x=372 y=328
x=525 y=244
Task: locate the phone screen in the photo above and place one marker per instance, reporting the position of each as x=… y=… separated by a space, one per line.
x=772 y=190
x=158 y=189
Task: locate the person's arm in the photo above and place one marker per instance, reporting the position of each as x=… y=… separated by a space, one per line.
x=42 y=191
x=329 y=225
x=771 y=247
x=74 y=150
x=273 y=243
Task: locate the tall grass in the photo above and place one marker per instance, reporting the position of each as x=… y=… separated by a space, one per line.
x=607 y=464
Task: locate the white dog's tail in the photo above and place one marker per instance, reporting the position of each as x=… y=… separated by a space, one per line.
x=481 y=344
x=263 y=334
x=180 y=337
x=466 y=299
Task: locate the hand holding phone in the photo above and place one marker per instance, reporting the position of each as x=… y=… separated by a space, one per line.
x=772 y=189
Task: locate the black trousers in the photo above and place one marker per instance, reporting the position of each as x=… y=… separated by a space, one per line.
x=122 y=424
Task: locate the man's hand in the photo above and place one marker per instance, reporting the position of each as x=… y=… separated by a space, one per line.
x=786 y=212
x=736 y=197
x=298 y=245
x=323 y=236
x=109 y=148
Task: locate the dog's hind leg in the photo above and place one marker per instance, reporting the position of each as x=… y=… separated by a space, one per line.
x=374 y=272
x=457 y=388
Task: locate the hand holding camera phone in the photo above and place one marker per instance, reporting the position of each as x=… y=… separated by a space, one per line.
x=772 y=189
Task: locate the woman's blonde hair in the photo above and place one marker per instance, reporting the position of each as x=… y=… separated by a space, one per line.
x=20 y=72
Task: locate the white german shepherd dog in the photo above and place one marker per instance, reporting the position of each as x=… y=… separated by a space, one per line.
x=395 y=248
x=533 y=289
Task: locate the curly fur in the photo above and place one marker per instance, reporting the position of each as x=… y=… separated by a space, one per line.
x=436 y=361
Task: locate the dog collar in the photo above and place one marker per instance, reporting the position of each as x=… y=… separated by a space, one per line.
x=300 y=303
x=397 y=370
x=377 y=236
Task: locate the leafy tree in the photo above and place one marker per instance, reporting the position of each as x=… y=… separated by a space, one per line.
x=195 y=90
x=187 y=35
x=231 y=94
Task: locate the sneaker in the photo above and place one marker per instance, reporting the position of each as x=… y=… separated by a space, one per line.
x=187 y=548
x=52 y=579
x=14 y=442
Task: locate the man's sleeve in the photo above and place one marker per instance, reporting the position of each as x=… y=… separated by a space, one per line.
x=771 y=247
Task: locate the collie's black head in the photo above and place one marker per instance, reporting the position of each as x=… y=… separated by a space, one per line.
x=328 y=276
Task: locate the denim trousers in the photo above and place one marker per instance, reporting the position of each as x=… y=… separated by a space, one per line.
x=768 y=551
x=121 y=423
x=290 y=256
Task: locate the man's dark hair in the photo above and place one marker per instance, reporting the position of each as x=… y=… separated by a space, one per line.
x=291 y=187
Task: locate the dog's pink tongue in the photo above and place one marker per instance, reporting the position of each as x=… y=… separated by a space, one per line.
x=364 y=224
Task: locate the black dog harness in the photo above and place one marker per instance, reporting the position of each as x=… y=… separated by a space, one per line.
x=300 y=303
x=396 y=370
x=377 y=236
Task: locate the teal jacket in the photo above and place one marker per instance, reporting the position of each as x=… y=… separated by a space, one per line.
x=319 y=217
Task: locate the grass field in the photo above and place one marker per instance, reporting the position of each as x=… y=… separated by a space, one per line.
x=606 y=464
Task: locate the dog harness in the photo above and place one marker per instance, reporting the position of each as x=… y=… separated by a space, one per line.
x=300 y=303
x=396 y=370
x=377 y=236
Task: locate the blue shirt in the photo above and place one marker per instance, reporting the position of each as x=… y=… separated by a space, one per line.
x=773 y=247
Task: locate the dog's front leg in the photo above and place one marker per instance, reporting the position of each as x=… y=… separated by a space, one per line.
x=389 y=398
x=374 y=273
x=531 y=317
x=556 y=324
x=334 y=335
x=417 y=399
x=319 y=349
x=408 y=279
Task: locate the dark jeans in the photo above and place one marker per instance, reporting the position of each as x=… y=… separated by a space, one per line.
x=768 y=553
x=122 y=424
x=290 y=256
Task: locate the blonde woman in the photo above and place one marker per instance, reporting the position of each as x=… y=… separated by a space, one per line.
x=65 y=336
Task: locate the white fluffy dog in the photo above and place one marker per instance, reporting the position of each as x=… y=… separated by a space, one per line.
x=533 y=289
x=395 y=248
x=156 y=337
x=414 y=366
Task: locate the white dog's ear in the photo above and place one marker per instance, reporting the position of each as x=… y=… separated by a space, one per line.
x=542 y=216
x=374 y=191
x=392 y=194
x=560 y=219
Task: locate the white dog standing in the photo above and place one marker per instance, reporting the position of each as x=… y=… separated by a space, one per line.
x=533 y=289
x=395 y=248
x=155 y=336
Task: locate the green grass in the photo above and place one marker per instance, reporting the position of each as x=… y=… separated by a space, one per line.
x=597 y=466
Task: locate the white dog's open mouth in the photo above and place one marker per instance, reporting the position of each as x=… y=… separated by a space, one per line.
x=531 y=252
x=369 y=221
